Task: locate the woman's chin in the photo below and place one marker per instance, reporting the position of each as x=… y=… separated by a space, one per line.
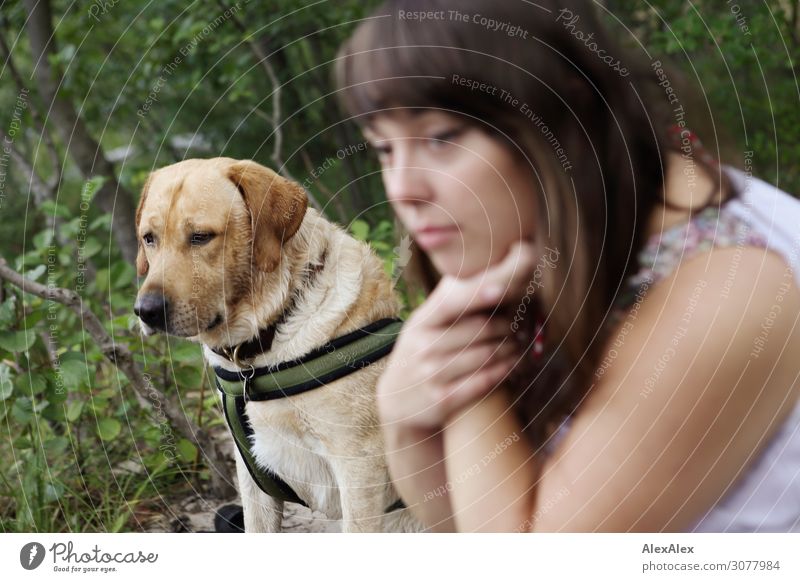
x=462 y=263
x=457 y=265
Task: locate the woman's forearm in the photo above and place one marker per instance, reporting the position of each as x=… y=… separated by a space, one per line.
x=416 y=466
x=491 y=467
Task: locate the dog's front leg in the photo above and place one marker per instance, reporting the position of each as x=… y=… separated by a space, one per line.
x=262 y=513
x=363 y=500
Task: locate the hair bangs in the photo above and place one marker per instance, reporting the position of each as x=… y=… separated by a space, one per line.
x=390 y=65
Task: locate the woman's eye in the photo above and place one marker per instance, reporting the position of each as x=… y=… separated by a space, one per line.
x=435 y=142
x=382 y=149
x=200 y=238
x=444 y=139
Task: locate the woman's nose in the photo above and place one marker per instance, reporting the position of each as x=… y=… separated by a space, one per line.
x=405 y=182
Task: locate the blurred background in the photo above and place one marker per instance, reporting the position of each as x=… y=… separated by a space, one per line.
x=102 y=430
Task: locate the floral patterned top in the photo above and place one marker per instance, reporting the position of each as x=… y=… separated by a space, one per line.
x=766 y=496
x=661 y=255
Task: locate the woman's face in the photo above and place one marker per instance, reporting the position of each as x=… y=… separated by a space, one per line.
x=461 y=193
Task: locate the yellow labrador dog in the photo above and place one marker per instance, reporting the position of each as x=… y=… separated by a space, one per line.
x=233 y=259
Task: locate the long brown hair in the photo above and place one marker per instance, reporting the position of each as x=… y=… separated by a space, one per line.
x=564 y=90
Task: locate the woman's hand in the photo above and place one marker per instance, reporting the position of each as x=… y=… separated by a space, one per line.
x=456 y=347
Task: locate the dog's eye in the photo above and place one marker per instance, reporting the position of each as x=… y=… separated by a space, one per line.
x=149 y=239
x=200 y=238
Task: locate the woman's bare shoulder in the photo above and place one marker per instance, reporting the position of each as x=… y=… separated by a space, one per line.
x=708 y=352
x=737 y=291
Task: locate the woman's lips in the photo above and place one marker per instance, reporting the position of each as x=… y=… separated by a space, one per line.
x=435 y=236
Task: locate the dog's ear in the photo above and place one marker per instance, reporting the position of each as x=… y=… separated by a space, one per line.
x=276 y=205
x=142 y=265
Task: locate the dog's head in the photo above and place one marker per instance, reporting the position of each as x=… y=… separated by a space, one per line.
x=205 y=227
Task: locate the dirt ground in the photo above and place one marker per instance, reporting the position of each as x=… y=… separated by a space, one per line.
x=195 y=513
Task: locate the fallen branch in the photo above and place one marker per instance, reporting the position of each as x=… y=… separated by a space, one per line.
x=122 y=358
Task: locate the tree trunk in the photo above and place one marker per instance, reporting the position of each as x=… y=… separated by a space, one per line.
x=82 y=147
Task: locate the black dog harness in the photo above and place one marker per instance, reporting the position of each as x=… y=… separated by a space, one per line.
x=334 y=360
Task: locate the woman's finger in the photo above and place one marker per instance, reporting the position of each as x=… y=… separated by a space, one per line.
x=470 y=359
x=504 y=282
x=461 y=393
x=469 y=330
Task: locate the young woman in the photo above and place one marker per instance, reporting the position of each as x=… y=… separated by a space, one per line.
x=609 y=340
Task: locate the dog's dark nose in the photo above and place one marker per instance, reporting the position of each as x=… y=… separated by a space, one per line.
x=151 y=308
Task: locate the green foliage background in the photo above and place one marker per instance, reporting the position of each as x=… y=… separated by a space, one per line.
x=77 y=452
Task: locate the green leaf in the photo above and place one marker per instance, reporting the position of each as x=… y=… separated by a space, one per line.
x=104 y=221
x=65 y=55
x=22 y=443
x=36 y=272
x=42 y=240
x=185 y=351
x=6 y=385
x=186 y=450
x=56 y=445
x=57 y=393
x=122 y=275
x=157 y=24
x=69 y=229
x=151 y=435
x=188 y=377
x=74 y=410
x=91 y=187
x=32 y=383
x=154 y=461
x=91 y=247
x=101 y=280
x=109 y=428
x=106 y=393
x=36 y=317
x=99 y=405
x=360 y=229
x=54 y=413
x=22 y=410
x=8 y=312
x=73 y=372
x=53 y=491
x=51 y=207
x=17 y=341
x=388 y=266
